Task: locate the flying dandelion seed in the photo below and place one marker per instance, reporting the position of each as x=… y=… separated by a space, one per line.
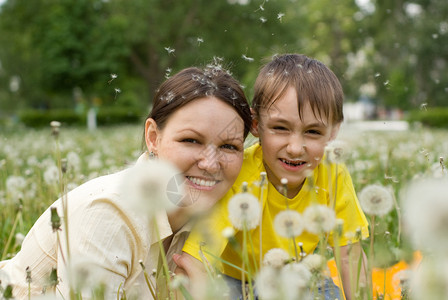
x=200 y=40
x=423 y=106
x=117 y=91
x=168 y=73
x=280 y=16
x=376 y=200
x=288 y=223
x=170 y=50
x=112 y=77
x=246 y=58
x=244 y=211
x=263 y=20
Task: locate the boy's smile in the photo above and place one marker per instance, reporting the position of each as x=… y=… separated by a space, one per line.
x=293 y=145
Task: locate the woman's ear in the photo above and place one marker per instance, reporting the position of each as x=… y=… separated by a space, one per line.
x=151 y=135
x=255 y=123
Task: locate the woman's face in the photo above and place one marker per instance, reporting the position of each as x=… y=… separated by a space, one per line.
x=205 y=140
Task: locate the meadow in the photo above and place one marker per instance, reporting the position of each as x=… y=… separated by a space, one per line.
x=29 y=174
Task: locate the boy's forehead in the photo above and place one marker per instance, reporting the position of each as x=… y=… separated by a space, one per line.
x=302 y=111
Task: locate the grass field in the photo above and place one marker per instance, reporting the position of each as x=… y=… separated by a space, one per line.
x=29 y=180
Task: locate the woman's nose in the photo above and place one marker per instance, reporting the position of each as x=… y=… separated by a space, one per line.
x=209 y=159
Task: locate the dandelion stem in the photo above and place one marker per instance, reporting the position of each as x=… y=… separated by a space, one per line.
x=11 y=234
x=162 y=254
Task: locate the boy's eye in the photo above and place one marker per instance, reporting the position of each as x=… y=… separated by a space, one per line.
x=229 y=147
x=314 y=131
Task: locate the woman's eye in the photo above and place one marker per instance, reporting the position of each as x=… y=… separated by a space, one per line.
x=281 y=128
x=193 y=141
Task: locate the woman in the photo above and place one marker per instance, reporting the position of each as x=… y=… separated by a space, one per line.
x=198 y=123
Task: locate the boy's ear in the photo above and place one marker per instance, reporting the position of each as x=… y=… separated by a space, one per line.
x=254 y=125
x=335 y=131
x=152 y=134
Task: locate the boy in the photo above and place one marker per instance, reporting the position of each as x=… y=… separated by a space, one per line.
x=297 y=111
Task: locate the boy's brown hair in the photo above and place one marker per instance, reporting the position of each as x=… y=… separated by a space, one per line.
x=313 y=81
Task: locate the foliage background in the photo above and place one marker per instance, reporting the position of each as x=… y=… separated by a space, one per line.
x=60 y=54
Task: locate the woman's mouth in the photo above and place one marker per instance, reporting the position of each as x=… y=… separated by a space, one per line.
x=201 y=182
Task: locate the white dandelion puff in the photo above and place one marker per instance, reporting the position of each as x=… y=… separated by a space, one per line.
x=376 y=200
x=85 y=274
x=15 y=185
x=51 y=175
x=430 y=280
x=315 y=263
x=336 y=151
x=288 y=223
x=146 y=187
x=263 y=19
x=178 y=281
x=244 y=211
x=276 y=258
x=425 y=214
x=19 y=237
x=295 y=279
x=246 y=58
x=319 y=219
x=267 y=283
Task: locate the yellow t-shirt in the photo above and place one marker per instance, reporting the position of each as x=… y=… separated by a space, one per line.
x=207 y=236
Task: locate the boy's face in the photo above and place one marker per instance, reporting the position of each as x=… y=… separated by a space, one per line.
x=292 y=146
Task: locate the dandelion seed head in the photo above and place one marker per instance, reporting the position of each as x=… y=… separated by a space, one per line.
x=295 y=279
x=179 y=281
x=267 y=283
x=51 y=175
x=145 y=186
x=276 y=258
x=425 y=213
x=288 y=223
x=315 y=263
x=376 y=200
x=319 y=219
x=336 y=151
x=85 y=274
x=244 y=211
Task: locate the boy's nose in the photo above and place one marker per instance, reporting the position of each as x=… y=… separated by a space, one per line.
x=296 y=146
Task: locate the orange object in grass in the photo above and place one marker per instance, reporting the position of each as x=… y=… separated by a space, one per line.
x=385 y=281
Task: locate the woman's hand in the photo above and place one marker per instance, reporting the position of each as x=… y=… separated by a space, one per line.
x=195 y=271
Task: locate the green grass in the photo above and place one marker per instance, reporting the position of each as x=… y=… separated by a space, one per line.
x=388 y=158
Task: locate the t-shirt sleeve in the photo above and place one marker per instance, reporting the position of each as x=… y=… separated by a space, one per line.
x=104 y=240
x=348 y=209
x=206 y=240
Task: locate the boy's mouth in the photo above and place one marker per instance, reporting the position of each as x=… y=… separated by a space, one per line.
x=293 y=163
